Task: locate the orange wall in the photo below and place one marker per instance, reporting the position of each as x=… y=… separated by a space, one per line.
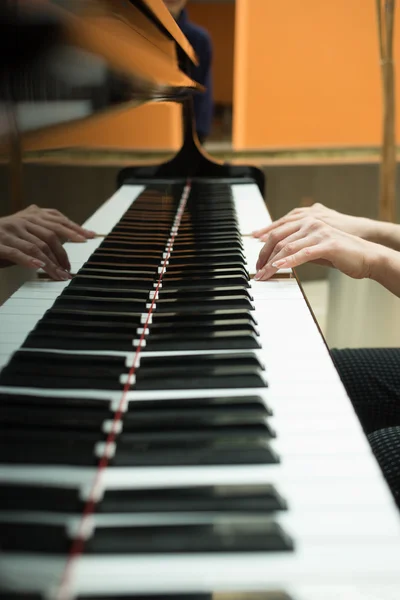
x=219 y=21
x=307 y=74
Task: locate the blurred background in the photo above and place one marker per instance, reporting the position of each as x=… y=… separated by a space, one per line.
x=296 y=91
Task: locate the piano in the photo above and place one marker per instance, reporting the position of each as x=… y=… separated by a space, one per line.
x=173 y=429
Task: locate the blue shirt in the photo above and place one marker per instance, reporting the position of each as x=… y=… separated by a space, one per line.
x=200 y=39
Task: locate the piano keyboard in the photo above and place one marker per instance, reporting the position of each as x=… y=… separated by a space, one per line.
x=175 y=429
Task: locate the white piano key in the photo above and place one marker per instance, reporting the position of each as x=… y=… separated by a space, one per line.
x=251 y=210
x=110 y=213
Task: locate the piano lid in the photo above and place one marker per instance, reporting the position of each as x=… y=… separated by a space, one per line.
x=100 y=55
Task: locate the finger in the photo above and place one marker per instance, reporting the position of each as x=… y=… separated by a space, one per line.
x=80 y=234
x=16 y=250
x=63 y=233
x=290 y=216
x=17 y=257
x=52 y=246
x=53 y=224
x=286 y=244
x=48 y=255
x=276 y=236
x=307 y=254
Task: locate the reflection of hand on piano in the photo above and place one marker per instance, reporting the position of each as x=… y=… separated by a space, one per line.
x=33 y=238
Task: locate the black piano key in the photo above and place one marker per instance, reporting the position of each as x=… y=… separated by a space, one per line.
x=98 y=406
x=69 y=323
x=205 y=340
x=203 y=291
x=87 y=434
x=52 y=362
x=175 y=326
x=150 y=415
x=201 y=253
x=62 y=339
x=202 y=304
x=239 y=499
x=201 y=316
x=66 y=382
x=217 y=595
x=208 y=426
x=192 y=281
x=34 y=537
x=219 y=535
x=199 y=292
x=89 y=302
x=109 y=272
x=39 y=497
x=132 y=244
x=236 y=360
x=216 y=258
x=216 y=534
x=135 y=305
x=202 y=375
x=54 y=417
x=42 y=447
x=115 y=258
x=52 y=370
x=72 y=323
x=188 y=270
x=75 y=317
x=24 y=596
x=217 y=498
x=180 y=407
x=221 y=451
x=76 y=288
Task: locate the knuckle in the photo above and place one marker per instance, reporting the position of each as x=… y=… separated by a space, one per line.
x=273 y=238
x=279 y=246
x=12 y=253
x=32 y=249
x=314 y=224
x=289 y=248
x=333 y=245
x=42 y=246
x=52 y=238
x=6 y=239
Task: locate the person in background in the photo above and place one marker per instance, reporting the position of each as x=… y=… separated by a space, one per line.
x=201 y=42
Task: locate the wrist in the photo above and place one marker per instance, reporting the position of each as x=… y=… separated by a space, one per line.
x=380 y=263
x=368 y=230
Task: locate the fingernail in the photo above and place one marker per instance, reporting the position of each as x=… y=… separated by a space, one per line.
x=63 y=275
x=279 y=263
x=37 y=263
x=79 y=238
x=258 y=275
x=89 y=233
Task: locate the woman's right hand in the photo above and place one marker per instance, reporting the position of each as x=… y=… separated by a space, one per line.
x=357 y=226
